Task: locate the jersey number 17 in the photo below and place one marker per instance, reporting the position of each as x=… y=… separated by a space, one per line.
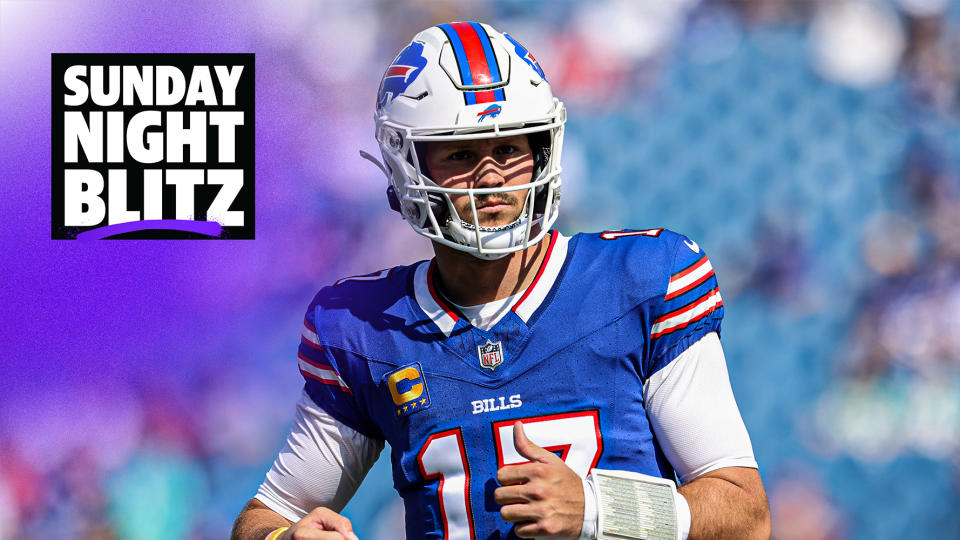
x=575 y=437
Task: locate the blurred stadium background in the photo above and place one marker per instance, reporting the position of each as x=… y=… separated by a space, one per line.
x=811 y=147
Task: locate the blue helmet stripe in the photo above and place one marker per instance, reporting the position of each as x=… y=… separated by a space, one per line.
x=465 y=77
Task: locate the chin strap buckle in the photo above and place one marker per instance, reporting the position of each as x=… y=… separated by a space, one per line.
x=392 y=199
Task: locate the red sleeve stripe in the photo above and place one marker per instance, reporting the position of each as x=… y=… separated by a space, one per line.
x=684 y=316
x=690 y=306
x=692 y=268
x=309 y=336
x=310 y=344
x=314 y=363
x=321 y=373
x=697 y=274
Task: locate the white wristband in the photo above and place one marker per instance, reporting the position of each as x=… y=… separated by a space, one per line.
x=631 y=505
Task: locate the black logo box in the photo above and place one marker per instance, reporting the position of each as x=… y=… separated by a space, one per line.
x=204 y=194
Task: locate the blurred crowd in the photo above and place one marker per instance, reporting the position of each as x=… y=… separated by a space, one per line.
x=812 y=147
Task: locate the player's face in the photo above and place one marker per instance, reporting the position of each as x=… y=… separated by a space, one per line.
x=484 y=163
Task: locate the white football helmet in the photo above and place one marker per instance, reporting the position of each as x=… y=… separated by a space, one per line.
x=465 y=80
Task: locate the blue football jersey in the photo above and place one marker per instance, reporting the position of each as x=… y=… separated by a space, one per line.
x=387 y=355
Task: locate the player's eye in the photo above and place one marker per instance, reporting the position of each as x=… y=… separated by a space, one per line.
x=459 y=155
x=507 y=149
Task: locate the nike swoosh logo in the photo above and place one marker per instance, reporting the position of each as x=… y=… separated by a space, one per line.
x=692 y=245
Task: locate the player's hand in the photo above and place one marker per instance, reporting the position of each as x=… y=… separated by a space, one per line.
x=544 y=497
x=320 y=524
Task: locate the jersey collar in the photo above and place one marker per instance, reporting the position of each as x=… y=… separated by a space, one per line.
x=445 y=317
x=430 y=300
x=545 y=278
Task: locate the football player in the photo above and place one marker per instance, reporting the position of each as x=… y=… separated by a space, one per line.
x=530 y=384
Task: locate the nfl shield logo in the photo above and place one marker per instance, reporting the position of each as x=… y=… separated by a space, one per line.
x=491 y=354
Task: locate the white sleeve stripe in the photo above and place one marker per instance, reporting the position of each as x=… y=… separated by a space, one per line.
x=324 y=375
x=700 y=273
x=310 y=335
x=683 y=316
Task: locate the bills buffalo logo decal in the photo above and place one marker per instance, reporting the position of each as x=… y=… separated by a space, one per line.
x=402 y=72
x=526 y=56
x=490 y=112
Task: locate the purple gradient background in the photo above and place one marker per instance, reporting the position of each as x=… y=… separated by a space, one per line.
x=101 y=313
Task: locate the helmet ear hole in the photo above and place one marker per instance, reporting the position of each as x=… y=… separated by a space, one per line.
x=540 y=147
x=439 y=207
x=437 y=203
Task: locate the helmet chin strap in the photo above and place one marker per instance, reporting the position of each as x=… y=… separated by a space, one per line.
x=504 y=237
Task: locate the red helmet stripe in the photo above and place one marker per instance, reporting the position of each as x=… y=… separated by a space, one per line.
x=476 y=58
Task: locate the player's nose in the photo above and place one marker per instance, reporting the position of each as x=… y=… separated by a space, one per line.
x=489 y=174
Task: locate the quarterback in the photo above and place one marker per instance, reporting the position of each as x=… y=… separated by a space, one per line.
x=530 y=384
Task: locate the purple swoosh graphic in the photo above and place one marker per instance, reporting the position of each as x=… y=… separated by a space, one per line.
x=207 y=228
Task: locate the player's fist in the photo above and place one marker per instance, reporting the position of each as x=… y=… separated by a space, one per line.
x=320 y=524
x=543 y=497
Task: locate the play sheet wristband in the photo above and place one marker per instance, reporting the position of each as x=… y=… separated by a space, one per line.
x=634 y=506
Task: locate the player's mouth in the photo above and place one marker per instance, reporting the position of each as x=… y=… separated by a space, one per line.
x=492 y=208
